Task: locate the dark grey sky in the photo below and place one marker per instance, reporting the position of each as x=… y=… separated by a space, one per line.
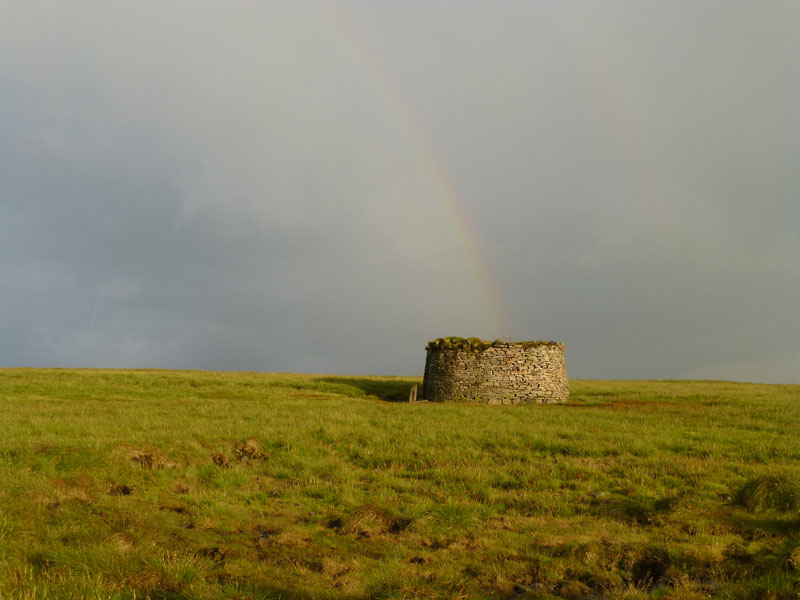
x=323 y=187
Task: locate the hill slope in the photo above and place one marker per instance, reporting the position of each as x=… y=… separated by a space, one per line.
x=122 y=484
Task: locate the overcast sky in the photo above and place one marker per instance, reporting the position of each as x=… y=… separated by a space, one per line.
x=324 y=187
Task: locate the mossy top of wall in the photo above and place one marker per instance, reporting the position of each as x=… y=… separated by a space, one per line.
x=474 y=344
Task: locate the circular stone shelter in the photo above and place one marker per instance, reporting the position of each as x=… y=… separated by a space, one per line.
x=499 y=372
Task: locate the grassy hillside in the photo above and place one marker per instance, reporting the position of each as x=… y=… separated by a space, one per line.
x=135 y=484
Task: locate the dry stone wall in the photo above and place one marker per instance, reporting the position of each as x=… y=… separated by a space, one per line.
x=495 y=372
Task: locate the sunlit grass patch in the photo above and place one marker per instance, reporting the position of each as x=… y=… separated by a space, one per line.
x=776 y=492
x=246 y=485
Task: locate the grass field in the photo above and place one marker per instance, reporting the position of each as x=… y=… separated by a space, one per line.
x=178 y=485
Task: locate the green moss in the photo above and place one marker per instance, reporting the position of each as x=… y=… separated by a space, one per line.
x=474 y=344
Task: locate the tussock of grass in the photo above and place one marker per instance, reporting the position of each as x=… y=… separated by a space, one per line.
x=769 y=492
x=651 y=567
x=367 y=520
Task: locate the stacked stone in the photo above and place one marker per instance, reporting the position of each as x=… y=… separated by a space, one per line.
x=501 y=373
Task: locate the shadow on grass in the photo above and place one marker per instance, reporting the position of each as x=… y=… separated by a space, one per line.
x=388 y=390
x=255 y=591
x=159 y=595
x=757 y=525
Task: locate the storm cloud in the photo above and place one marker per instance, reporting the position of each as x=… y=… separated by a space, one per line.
x=324 y=187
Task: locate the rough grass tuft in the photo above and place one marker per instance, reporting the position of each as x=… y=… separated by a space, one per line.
x=367 y=520
x=769 y=492
x=651 y=567
x=250 y=449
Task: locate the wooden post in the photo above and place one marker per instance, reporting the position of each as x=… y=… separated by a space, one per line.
x=412 y=397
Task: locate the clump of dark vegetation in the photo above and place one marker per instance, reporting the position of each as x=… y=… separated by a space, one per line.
x=250 y=449
x=769 y=492
x=220 y=460
x=368 y=520
x=651 y=567
x=474 y=344
x=645 y=511
x=145 y=459
x=119 y=489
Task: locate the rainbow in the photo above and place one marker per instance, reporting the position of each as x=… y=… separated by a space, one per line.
x=438 y=175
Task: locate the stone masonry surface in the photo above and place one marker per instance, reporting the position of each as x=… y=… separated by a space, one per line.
x=496 y=372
